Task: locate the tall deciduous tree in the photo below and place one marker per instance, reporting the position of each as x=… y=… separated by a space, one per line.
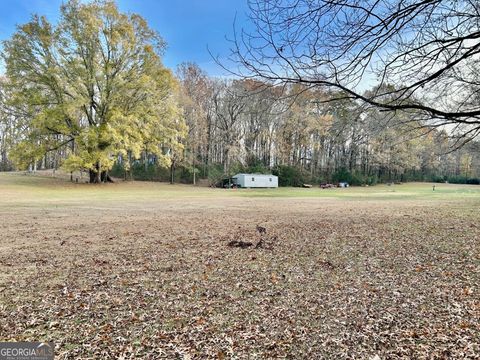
x=230 y=101
x=93 y=84
x=197 y=92
x=429 y=50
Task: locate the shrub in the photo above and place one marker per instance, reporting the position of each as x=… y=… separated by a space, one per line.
x=290 y=175
x=354 y=178
x=215 y=173
x=473 y=181
x=255 y=166
x=439 y=179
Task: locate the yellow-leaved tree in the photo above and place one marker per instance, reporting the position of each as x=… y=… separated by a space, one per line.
x=93 y=85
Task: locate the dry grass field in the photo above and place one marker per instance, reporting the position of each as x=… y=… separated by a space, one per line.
x=145 y=270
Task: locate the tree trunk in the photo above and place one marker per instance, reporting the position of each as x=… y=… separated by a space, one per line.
x=193 y=165
x=91 y=174
x=226 y=165
x=97 y=176
x=105 y=177
x=172 y=172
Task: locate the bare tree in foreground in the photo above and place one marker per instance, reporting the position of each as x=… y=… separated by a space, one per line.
x=421 y=57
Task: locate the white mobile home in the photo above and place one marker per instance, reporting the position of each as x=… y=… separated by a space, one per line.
x=255 y=181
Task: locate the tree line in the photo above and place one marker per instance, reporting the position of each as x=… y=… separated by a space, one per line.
x=306 y=134
x=91 y=94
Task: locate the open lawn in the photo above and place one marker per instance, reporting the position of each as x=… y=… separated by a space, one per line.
x=145 y=270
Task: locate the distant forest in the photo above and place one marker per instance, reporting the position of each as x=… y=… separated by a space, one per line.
x=94 y=96
x=294 y=132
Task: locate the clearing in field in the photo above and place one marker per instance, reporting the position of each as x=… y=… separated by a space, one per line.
x=159 y=271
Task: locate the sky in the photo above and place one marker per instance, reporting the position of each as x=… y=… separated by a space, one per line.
x=188 y=26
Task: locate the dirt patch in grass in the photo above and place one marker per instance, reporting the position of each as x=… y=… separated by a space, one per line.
x=333 y=278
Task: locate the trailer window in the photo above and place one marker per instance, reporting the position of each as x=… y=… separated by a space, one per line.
x=270 y=179
x=253 y=179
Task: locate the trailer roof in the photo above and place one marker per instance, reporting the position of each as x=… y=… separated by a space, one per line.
x=270 y=175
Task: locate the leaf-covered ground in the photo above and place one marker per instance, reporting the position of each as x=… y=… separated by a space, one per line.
x=333 y=279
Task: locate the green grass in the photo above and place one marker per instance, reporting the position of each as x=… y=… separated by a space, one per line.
x=379 y=192
x=18 y=189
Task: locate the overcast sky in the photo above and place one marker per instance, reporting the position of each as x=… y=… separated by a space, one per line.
x=188 y=26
